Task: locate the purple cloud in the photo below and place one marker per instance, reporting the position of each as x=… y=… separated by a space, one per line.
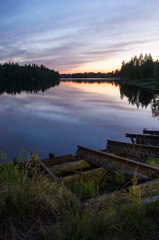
x=64 y=36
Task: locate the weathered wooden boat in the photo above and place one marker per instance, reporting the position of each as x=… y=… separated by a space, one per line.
x=92 y=165
x=144 y=139
x=151 y=132
x=133 y=149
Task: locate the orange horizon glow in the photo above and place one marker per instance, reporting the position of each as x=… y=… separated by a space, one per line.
x=95 y=67
x=109 y=65
x=87 y=71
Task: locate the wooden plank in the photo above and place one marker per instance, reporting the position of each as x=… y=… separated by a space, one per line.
x=47 y=161
x=97 y=175
x=69 y=167
x=58 y=160
x=132 y=140
x=130 y=194
x=151 y=132
x=114 y=163
x=57 y=180
x=132 y=149
x=65 y=158
x=144 y=139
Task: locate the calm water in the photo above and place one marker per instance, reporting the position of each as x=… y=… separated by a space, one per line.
x=72 y=114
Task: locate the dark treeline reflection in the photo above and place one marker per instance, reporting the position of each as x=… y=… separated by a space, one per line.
x=90 y=80
x=140 y=97
x=30 y=78
x=136 y=96
x=155 y=107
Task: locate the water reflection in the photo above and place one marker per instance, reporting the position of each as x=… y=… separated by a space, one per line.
x=89 y=80
x=140 y=97
x=137 y=96
x=71 y=114
x=155 y=107
x=30 y=86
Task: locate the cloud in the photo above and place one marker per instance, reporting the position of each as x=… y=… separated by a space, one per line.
x=68 y=35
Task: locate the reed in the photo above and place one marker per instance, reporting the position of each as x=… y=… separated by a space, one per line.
x=30 y=202
x=32 y=206
x=153 y=161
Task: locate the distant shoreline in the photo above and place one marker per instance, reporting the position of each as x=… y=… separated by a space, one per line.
x=89 y=79
x=138 y=83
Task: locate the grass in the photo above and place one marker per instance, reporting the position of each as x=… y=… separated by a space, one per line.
x=115 y=182
x=29 y=202
x=153 y=161
x=87 y=189
x=138 y=222
x=83 y=190
x=32 y=206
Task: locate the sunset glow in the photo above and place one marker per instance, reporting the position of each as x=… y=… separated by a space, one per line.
x=78 y=36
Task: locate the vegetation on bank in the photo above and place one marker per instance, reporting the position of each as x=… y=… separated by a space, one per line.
x=140 y=71
x=32 y=206
x=113 y=74
x=15 y=78
x=142 y=67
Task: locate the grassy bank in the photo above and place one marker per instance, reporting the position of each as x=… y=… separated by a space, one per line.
x=147 y=84
x=32 y=206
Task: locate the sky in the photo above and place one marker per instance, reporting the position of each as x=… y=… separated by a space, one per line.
x=72 y=36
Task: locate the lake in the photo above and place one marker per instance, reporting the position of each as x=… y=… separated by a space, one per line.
x=74 y=113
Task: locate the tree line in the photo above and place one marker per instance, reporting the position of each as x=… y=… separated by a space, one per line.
x=15 y=78
x=142 y=67
x=113 y=74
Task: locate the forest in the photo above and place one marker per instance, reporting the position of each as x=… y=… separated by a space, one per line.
x=142 y=67
x=113 y=74
x=15 y=78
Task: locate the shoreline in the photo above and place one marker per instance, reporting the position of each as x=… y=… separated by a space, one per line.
x=142 y=83
x=146 y=84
